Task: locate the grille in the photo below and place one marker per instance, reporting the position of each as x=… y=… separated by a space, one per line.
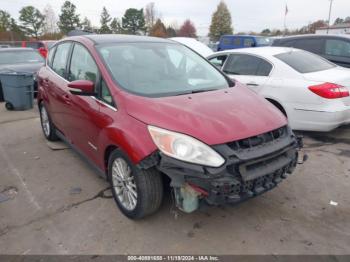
x=259 y=140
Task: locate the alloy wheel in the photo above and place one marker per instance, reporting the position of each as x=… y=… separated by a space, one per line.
x=124 y=184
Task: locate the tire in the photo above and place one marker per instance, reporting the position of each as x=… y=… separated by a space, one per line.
x=146 y=183
x=9 y=106
x=47 y=126
x=1 y=94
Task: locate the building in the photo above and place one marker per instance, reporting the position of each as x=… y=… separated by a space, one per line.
x=334 y=30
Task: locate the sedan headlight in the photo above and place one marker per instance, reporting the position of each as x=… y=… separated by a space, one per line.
x=184 y=147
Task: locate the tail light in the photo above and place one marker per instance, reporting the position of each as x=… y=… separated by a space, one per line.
x=330 y=90
x=43 y=51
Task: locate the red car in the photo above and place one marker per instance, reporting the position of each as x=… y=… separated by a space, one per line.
x=142 y=108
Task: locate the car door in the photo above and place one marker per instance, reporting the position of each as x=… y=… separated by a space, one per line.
x=248 y=69
x=84 y=114
x=56 y=84
x=338 y=51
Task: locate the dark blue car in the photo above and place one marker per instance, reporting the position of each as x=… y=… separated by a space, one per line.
x=242 y=41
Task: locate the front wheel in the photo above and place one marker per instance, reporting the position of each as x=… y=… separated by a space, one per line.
x=137 y=192
x=47 y=126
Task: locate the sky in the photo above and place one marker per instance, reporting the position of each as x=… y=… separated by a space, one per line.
x=247 y=15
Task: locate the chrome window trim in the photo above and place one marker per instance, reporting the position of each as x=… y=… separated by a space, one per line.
x=104 y=103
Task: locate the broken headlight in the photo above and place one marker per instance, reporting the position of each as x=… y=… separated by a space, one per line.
x=185 y=148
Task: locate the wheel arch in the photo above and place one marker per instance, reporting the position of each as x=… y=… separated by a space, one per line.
x=278 y=105
x=107 y=152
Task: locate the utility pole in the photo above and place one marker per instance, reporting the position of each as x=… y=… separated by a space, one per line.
x=329 y=16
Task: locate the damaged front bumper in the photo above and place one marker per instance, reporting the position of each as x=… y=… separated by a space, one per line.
x=253 y=166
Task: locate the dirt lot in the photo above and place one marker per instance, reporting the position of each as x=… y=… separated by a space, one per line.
x=46 y=213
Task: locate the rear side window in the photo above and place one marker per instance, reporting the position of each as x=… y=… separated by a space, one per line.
x=248 y=42
x=337 y=47
x=82 y=66
x=289 y=43
x=50 y=56
x=311 y=45
x=237 y=41
x=218 y=61
x=227 y=41
x=304 y=62
x=240 y=64
x=60 y=60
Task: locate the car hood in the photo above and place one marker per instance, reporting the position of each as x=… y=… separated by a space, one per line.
x=337 y=75
x=214 y=117
x=22 y=68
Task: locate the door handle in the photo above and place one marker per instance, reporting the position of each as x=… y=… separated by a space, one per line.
x=252 y=84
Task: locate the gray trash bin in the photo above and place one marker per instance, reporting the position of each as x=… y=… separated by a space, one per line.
x=18 y=90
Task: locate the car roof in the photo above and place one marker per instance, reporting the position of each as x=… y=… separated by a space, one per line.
x=16 y=49
x=114 y=38
x=314 y=36
x=245 y=36
x=261 y=51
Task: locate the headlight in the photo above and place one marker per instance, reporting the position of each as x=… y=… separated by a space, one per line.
x=184 y=147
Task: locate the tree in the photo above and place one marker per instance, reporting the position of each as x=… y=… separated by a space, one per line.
x=116 y=27
x=221 y=22
x=86 y=25
x=170 y=31
x=187 y=29
x=339 y=21
x=150 y=16
x=158 y=29
x=32 y=21
x=68 y=19
x=50 y=20
x=315 y=25
x=266 y=31
x=5 y=21
x=133 y=21
x=105 y=20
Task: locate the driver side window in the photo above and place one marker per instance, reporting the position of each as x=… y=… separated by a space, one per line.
x=83 y=66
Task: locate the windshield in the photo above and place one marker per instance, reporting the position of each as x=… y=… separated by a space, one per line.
x=264 y=41
x=160 y=69
x=305 y=62
x=20 y=57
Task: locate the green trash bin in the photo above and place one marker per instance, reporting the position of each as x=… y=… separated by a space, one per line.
x=18 y=90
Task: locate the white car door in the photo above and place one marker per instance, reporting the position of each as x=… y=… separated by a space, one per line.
x=248 y=69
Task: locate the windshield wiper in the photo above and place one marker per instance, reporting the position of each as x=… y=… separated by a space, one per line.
x=197 y=91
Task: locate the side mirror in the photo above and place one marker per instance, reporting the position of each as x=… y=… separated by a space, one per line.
x=82 y=88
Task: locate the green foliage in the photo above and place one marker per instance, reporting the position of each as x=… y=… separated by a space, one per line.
x=86 y=25
x=116 y=26
x=32 y=21
x=5 y=21
x=105 y=20
x=170 y=31
x=133 y=21
x=221 y=22
x=68 y=19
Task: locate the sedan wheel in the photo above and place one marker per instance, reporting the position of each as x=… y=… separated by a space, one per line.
x=45 y=123
x=47 y=126
x=124 y=184
x=137 y=192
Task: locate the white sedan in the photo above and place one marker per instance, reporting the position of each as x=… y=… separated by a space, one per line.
x=311 y=91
